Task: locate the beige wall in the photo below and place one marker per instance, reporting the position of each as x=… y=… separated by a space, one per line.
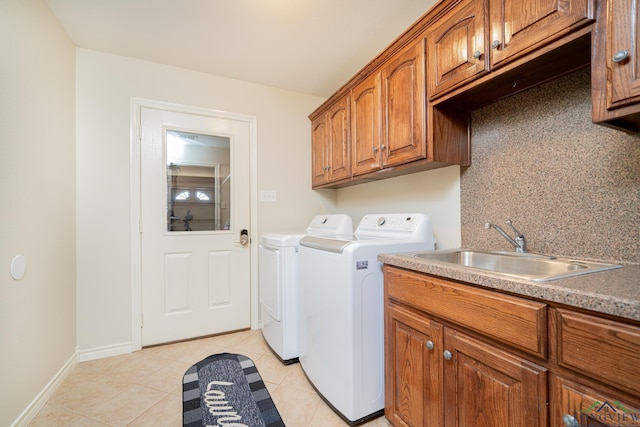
x=572 y=187
x=105 y=84
x=37 y=193
x=435 y=192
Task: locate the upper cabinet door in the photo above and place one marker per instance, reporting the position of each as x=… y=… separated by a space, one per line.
x=365 y=125
x=403 y=106
x=623 y=52
x=339 y=142
x=319 y=135
x=456 y=47
x=517 y=25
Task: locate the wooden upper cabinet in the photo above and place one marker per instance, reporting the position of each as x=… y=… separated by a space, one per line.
x=319 y=138
x=339 y=141
x=456 y=47
x=623 y=52
x=404 y=106
x=330 y=144
x=520 y=25
x=477 y=36
x=365 y=125
x=615 y=72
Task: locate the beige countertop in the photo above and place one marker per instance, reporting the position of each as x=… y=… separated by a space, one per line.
x=615 y=292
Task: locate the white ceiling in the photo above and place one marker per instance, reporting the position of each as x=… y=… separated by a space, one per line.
x=308 y=46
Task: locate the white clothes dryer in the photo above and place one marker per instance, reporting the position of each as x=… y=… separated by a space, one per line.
x=341 y=306
x=279 y=280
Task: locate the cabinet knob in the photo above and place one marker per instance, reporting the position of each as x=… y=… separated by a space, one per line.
x=447 y=355
x=495 y=44
x=375 y=149
x=620 y=56
x=429 y=345
x=477 y=54
x=570 y=421
x=382 y=147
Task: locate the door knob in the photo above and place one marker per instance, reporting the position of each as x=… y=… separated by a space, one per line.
x=244 y=237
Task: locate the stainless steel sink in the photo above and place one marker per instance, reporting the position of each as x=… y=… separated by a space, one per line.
x=525 y=266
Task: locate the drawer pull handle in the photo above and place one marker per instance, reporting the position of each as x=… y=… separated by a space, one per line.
x=620 y=56
x=570 y=421
x=429 y=345
x=447 y=355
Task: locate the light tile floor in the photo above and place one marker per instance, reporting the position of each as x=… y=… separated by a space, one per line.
x=144 y=388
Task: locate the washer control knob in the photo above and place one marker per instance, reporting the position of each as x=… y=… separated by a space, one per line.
x=381 y=221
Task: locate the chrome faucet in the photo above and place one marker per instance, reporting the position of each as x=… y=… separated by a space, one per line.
x=518 y=243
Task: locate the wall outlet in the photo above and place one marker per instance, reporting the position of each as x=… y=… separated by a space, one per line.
x=268 y=195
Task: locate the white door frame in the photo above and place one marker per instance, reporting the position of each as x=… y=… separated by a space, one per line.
x=136 y=198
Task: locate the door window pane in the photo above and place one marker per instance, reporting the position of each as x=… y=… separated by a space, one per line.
x=198 y=182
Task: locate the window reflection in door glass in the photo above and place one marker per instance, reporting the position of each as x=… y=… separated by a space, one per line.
x=198 y=182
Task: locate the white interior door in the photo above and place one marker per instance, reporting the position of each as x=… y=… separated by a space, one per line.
x=195 y=204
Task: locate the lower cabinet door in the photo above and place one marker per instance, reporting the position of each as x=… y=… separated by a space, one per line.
x=574 y=405
x=413 y=370
x=486 y=386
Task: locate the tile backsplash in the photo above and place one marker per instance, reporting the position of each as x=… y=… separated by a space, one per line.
x=570 y=186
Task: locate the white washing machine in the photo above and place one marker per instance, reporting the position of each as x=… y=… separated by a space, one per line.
x=341 y=306
x=279 y=277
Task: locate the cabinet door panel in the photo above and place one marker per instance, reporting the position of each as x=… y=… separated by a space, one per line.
x=413 y=373
x=403 y=107
x=452 y=44
x=516 y=27
x=339 y=144
x=589 y=407
x=319 y=135
x=365 y=125
x=624 y=30
x=487 y=387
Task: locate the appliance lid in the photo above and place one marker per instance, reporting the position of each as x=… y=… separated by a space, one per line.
x=335 y=245
x=281 y=240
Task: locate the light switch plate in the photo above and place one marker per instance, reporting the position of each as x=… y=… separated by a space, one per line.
x=268 y=195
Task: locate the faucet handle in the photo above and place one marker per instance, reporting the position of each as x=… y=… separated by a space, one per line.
x=515 y=230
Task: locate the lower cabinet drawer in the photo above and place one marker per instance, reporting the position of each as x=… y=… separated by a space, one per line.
x=602 y=349
x=515 y=321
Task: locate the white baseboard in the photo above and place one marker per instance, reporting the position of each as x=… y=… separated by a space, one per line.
x=106 y=351
x=41 y=399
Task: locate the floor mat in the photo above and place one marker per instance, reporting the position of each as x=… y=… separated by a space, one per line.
x=227 y=390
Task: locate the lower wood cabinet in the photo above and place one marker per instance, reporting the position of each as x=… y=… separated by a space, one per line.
x=449 y=363
x=413 y=380
x=574 y=404
x=486 y=386
x=438 y=376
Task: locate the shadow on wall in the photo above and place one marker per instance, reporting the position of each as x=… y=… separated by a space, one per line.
x=571 y=187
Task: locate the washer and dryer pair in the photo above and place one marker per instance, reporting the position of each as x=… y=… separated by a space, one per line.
x=279 y=256
x=321 y=294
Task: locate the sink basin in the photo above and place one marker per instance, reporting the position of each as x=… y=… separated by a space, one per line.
x=525 y=266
